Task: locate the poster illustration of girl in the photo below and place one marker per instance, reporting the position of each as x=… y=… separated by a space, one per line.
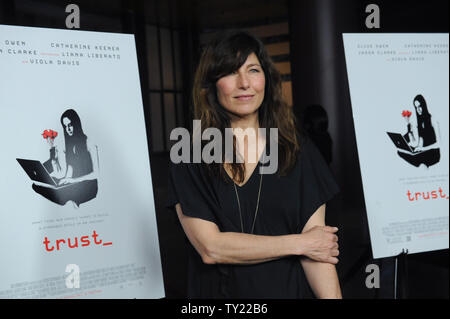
x=77 y=179
x=425 y=147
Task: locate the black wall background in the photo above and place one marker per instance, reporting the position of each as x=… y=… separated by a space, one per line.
x=318 y=77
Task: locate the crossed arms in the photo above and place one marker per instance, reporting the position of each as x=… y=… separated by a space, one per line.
x=316 y=247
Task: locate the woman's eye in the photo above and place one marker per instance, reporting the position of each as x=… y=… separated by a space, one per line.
x=254 y=70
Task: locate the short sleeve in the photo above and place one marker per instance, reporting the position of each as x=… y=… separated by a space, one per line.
x=188 y=185
x=317 y=183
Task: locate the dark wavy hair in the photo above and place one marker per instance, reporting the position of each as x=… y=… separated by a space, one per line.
x=222 y=56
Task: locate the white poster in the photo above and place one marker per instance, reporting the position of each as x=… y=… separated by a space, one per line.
x=77 y=210
x=399 y=87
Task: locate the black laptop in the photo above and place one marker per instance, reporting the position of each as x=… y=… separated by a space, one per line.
x=37 y=172
x=400 y=142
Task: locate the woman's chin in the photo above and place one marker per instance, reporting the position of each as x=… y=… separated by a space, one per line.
x=244 y=111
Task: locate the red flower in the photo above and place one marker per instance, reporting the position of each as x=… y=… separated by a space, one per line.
x=406 y=113
x=49 y=134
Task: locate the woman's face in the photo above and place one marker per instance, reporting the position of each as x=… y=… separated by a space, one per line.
x=242 y=92
x=418 y=107
x=68 y=126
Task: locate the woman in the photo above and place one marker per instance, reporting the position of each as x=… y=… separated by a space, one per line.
x=252 y=238
x=79 y=165
x=79 y=180
x=427 y=135
x=426 y=150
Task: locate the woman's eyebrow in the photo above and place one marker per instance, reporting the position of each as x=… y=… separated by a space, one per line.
x=253 y=64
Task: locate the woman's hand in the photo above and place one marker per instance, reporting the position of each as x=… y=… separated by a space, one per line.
x=320 y=244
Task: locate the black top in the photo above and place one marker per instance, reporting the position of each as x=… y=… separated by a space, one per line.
x=426 y=130
x=80 y=159
x=286 y=204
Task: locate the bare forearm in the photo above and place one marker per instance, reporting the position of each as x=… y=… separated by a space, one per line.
x=322 y=278
x=216 y=247
x=238 y=248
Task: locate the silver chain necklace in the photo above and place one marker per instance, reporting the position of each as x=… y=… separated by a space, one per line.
x=257 y=202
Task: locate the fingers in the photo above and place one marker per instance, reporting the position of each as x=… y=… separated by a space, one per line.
x=332 y=237
x=332 y=260
x=330 y=229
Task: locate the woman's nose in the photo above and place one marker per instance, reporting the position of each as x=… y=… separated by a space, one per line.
x=243 y=82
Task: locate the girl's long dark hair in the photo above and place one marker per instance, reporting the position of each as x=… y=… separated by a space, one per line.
x=75 y=144
x=424 y=125
x=224 y=55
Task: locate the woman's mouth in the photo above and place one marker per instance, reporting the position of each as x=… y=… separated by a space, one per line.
x=244 y=97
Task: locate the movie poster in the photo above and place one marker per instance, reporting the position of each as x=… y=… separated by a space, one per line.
x=77 y=209
x=399 y=87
